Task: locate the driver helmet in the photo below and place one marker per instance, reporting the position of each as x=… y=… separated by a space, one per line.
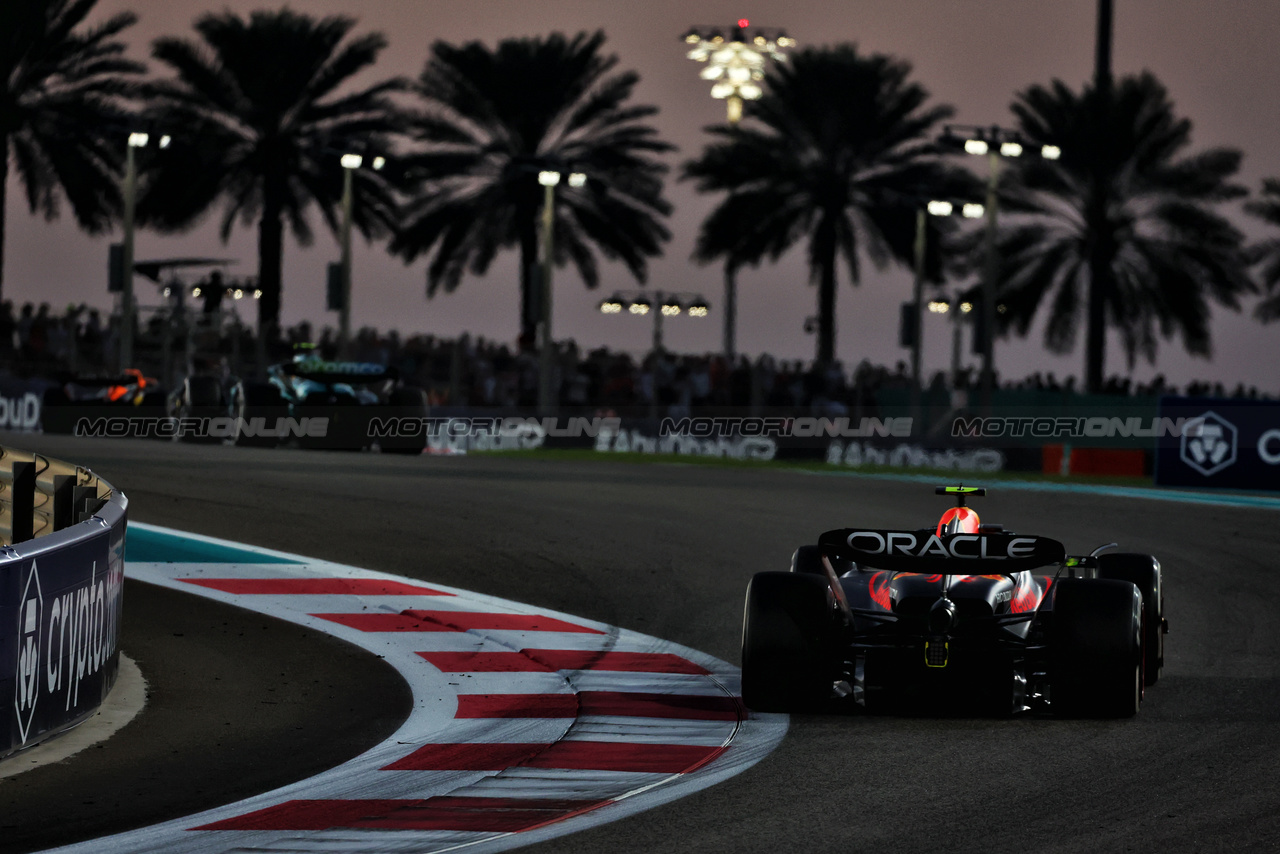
x=958 y=520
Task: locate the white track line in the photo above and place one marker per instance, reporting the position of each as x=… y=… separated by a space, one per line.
x=526 y=724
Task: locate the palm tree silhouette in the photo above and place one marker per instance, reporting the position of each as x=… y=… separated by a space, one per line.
x=492 y=118
x=64 y=91
x=263 y=125
x=836 y=153
x=1121 y=229
x=1266 y=254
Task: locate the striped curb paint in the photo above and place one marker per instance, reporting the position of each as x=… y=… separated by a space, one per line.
x=527 y=724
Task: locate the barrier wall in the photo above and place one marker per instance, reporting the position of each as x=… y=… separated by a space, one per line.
x=62 y=533
x=20 y=403
x=1226 y=444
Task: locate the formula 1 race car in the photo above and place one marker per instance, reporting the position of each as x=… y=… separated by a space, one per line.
x=328 y=404
x=954 y=617
x=128 y=395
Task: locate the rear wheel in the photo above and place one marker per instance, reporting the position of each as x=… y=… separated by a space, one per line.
x=808 y=561
x=259 y=409
x=787 y=637
x=345 y=427
x=406 y=403
x=1095 y=644
x=56 y=415
x=200 y=397
x=1143 y=571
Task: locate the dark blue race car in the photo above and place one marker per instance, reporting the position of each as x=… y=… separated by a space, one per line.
x=959 y=616
x=317 y=403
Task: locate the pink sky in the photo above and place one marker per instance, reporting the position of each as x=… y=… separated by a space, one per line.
x=1217 y=60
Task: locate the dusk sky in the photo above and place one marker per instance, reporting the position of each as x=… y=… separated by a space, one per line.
x=1217 y=60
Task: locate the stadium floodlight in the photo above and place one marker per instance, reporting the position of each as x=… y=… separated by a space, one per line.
x=735 y=66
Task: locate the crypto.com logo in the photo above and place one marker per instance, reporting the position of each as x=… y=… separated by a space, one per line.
x=30 y=618
x=1209 y=443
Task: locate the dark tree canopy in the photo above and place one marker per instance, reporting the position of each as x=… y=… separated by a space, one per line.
x=64 y=92
x=259 y=124
x=492 y=118
x=1266 y=253
x=837 y=154
x=1123 y=230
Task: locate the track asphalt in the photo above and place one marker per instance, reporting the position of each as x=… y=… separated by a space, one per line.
x=241 y=703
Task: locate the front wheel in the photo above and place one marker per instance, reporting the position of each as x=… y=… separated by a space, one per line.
x=787 y=639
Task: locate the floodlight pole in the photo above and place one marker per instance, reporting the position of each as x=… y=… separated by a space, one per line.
x=734 y=89
x=545 y=402
x=344 y=313
x=917 y=311
x=990 y=276
x=125 y=357
x=661 y=299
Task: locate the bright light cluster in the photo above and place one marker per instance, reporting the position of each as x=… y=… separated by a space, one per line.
x=981 y=140
x=942 y=306
x=736 y=65
x=970 y=210
x=666 y=304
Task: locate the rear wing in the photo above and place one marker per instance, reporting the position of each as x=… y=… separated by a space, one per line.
x=328 y=373
x=949 y=554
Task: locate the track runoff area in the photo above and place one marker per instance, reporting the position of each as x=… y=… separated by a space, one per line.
x=526 y=724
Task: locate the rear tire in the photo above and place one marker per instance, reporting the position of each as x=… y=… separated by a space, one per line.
x=347 y=426
x=56 y=415
x=1143 y=571
x=406 y=402
x=1095 y=644
x=787 y=636
x=200 y=397
x=262 y=401
x=808 y=561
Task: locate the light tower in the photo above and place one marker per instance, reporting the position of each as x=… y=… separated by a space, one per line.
x=735 y=65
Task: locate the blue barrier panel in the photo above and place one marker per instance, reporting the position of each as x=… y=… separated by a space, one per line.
x=20 y=403
x=60 y=608
x=1212 y=442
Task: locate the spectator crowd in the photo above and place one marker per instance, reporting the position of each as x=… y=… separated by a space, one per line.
x=474 y=371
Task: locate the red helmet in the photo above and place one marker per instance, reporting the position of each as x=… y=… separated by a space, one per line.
x=958 y=520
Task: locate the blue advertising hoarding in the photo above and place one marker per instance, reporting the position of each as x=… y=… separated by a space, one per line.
x=60 y=609
x=1218 y=443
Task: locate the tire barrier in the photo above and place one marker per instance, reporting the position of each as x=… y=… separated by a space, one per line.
x=62 y=532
